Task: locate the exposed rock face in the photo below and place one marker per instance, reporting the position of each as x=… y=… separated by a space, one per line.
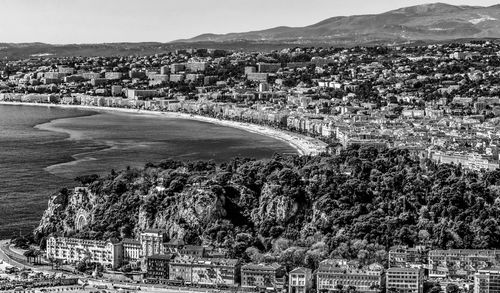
x=178 y=200
x=273 y=204
x=68 y=210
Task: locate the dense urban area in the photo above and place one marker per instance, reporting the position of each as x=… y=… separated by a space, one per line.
x=403 y=198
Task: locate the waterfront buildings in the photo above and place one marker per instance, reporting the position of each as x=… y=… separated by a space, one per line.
x=300 y=280
x=335 y=274
x=261 y=276
x=205 y=271
x=73 y=250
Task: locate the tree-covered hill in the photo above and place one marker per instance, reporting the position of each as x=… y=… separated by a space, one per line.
x=297 y=210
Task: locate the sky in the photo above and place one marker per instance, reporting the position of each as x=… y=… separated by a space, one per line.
x=107 y=21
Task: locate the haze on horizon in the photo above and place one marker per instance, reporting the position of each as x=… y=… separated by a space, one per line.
x=108 y=21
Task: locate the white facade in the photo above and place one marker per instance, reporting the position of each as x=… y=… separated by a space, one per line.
x=73 y=250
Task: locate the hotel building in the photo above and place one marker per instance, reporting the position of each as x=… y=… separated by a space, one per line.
x=73 y=250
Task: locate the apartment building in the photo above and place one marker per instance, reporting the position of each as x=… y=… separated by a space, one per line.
x=158 y=267
x=152 y=242
x=132 y=250
x=404 y=256
x=262 y=276
x=73 y=250
x=333 y=275
x=405 y=280
x=300 y=280
x=204 y=271
x=460 y=263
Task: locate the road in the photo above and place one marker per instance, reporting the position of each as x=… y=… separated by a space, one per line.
x=4 y=250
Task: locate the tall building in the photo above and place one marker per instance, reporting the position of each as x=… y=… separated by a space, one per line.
x=268 y=67
x=152 y=242
x=132 y=250
x=300 y=280
x=405 y=280
x=487 y=280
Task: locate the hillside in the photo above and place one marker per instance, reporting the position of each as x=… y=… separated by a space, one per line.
x=428 y=22
x=356 y=204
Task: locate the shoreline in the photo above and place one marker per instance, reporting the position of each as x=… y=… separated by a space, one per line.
x=304 y=145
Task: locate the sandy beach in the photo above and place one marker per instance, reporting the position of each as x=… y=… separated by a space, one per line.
x=303 y=144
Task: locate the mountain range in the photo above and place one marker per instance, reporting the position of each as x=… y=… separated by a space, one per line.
x=428 y=22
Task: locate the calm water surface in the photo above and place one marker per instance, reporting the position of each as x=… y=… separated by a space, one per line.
x=43 y=148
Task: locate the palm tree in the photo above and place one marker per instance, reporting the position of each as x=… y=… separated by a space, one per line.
x=33 y=255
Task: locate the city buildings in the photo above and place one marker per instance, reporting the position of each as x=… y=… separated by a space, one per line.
x=132 y=250
x=152 y=242
x=73 y=250
x=335 y=274
x=157 y=267
x=487 y=280
x=262 y=276
x=404 y=280
x=404 y=256
x=300 y=280
x=205 y=271
x=460 y=263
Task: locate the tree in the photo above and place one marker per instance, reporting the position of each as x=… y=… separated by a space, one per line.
x=452 y=288
x=86 y=179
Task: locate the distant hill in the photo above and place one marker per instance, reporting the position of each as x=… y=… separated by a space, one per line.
x=429 y=22
x=30 y=50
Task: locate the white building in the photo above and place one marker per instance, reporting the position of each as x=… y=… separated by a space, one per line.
x=132 y=250
x=300 y=280
x=152 y=242
x=73 y=250
x=405 y=280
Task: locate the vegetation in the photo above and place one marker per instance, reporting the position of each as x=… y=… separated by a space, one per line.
x=299 y=210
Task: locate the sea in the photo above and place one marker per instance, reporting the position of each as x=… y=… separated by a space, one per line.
x=43 y=148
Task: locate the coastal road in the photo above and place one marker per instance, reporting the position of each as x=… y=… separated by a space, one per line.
x=4 y=250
